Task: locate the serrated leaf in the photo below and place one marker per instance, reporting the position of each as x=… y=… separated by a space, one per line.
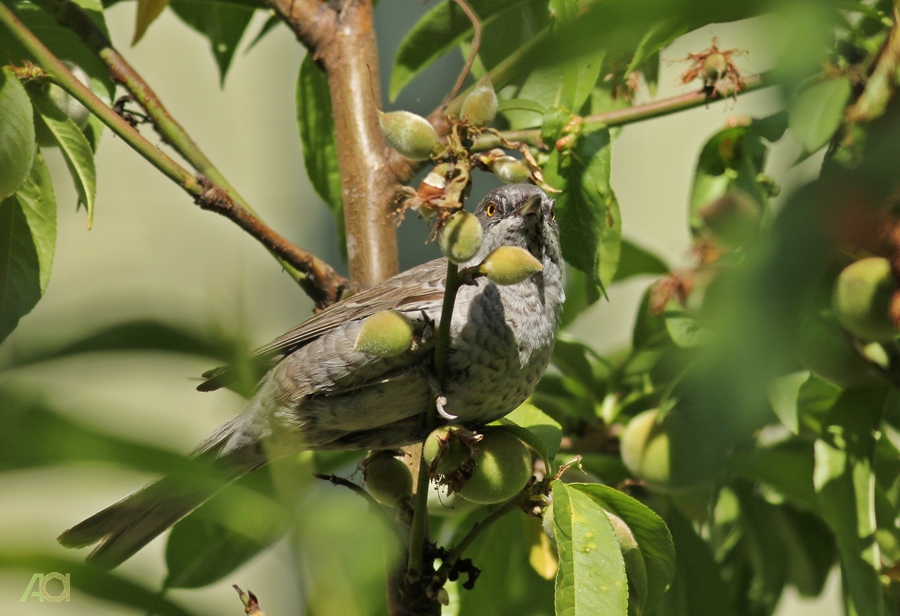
x=147 y=12
x=93 y=581
x=439 y=31
x=75 y=149
x=651 y=533
x=225 y=532
x=17 y=146
x=222 y=24
x=817 y=112
x=845 y=483
x=546 y=430
x=317 y=137
x=591 y=578
x=27 y=244
x=637 y=261
x=587 y=209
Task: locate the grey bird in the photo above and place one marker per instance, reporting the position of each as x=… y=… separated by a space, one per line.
x=323 y=394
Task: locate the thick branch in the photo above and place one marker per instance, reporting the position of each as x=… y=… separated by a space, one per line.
x=342 y=40
x=322 y=283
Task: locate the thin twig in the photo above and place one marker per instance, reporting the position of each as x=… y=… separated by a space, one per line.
x=374 y=504
x=476 y=45
x=320 y=280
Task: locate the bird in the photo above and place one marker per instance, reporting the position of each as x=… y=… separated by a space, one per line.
x=323 y=394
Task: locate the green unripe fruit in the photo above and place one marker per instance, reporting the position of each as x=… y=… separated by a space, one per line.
x=715 y=65
x=461 y=237
x=502 y=468
x=862 y=299
x=645 y=450
x=510 y=265
x=385 y=334
x=453 y=452
x=409 y=134
x=480 y=107
x=510 y=170
x=388 y=479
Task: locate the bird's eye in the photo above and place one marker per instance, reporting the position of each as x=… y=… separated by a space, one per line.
x=490 y=210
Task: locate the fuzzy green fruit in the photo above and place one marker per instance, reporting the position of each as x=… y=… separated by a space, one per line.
x=388 y=479
x=385 y=334
x=480 y=107
x=455 y=452
x=409 y=134
x=715 y=65
x=502 y=468
x=645 y=450
x=461 y=237
x=862 y=299
x=510 y=265
x=510 y=170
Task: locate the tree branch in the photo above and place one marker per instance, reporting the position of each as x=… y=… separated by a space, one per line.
x=319 y=279
x=473 y=52
x=342 y=41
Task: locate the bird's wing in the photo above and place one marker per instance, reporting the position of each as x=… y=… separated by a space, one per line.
x=419 y=288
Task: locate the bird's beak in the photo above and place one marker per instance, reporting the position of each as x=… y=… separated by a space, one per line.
x=532 y=207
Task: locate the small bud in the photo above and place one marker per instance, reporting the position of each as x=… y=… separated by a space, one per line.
x=443 y=596
x=715 y=65
x=510 y=265
x=480 y=107
x=510 y=170
x=410 y=134
x=461 y=237
x=385 y=334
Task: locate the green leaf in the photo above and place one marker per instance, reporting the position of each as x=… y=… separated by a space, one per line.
x=686 y=331
x=787 y=467
x=317 y=137
x=845 y=484
x=817 y=112
x=27 y=244
x=147 y=12
x=650 y=532
x=75 y=149
x=587 y=209
x=637 y=261
x=92 y=581
x=17 y=145
x=521 y=104
x=222 y=24
x=267 y=27
x=439 y=31
x=545 y=429
x=591 y=578
x=225 y=532
x=783 y=395
x=809 y=549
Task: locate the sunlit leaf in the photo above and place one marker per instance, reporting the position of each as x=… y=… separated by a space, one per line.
x=17 y=145
x=27 y=245
x=637 y=261
x=222 y=24
x=591 y=578
x=818 y=111
x=783 y=394
x=545 y=433
x=75 y=148
x=317 y=136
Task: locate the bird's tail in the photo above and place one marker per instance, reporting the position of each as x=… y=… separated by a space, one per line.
x=128 y=525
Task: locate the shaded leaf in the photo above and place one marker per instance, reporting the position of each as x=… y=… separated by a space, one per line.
x=27 y=244
x=817 y=112
x=591 y=577
x=222 y=24
x=787 y=467
x=147 y=12
x=439 y=31
x=783 y=395
x=650 y=532
x=75 y=149
x=637 y=261
x=546 y=432
x=17 y=146
x=317 y=136
x=94 y=582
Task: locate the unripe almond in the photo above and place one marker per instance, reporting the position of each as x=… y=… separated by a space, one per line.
x=862 y=299
x=480 y=107
x=645 y=450
x=409 y=134
x=388 y=479
x=502 y=468
x=510 y=265
x=510 y=170
x=461 y=237
x=454 y=453
x=715 y=65
x=385 y=334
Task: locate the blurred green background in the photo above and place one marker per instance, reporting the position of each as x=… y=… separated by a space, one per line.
x=154 y=254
